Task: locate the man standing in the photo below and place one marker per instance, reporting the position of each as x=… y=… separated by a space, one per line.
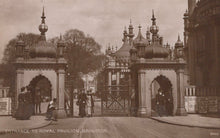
x=38 y=100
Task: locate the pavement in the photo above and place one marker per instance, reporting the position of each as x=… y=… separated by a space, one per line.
x=114 y=127
x=8 y=123
x=192 y=120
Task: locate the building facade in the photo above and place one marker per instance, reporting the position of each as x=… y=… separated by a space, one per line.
x=202 y=48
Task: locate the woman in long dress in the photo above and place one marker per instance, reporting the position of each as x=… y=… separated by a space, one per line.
x=82 y=99
x=21 y=103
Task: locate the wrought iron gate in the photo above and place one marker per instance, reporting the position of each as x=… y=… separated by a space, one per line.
x=115 y=100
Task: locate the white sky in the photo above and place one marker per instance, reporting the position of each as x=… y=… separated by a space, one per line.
x=102 y=19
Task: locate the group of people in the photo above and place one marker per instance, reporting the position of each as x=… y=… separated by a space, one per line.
x=85 y=101
x=29 y=103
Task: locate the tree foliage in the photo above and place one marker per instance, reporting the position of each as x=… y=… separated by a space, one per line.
x=82 y=53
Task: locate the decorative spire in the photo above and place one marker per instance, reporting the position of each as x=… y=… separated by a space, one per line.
x=43 y=27
x=153 y=18
x=139 y=33
x=154 y=29
x=130 y=32
x=43 y=17
x=179 y=43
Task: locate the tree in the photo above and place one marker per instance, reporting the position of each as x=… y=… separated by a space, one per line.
x=83 y=54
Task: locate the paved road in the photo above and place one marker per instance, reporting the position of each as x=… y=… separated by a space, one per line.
x=114 y=127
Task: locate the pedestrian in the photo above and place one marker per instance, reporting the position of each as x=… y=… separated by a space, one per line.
x=38 y=100
x=28 y=111
x=21 y=102
x=90 y=104
x=82 y=99
x=51 y=110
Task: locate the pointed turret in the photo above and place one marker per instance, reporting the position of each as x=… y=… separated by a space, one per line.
x=130 y=32
x=179 y=43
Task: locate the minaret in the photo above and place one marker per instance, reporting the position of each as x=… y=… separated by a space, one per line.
x=130 y=33
x=43 y=27
x=154 y=29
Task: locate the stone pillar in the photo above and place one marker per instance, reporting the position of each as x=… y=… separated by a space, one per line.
x=109 y=78
x=19 y=84
x=142 y=109
x=109 y=81
x=60 y=93
x=180 y=93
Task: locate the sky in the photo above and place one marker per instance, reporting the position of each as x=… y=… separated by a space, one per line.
x=104 y=20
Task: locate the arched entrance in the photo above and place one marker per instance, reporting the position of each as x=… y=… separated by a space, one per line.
x=161 y=96
x=41 y=89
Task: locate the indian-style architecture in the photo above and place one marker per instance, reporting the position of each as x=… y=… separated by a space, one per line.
x=151 y=73
x=42 y=65
x=202 y=48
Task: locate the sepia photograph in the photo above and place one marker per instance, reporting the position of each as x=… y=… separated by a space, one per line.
x=109 y=68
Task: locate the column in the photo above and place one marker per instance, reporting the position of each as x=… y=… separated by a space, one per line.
x=142 y=109
x=60 y=93
x=109 y=78
x=118 y=78
x=19 y=84
x=109 y=81
x=180 y=93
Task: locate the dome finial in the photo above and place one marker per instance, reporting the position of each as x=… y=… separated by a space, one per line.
x=139 y=27
x=43 y=16
x=43 y=27
x=179 y=37
x=154 y=29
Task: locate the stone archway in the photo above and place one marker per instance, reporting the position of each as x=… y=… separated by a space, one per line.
x=161 y=96
x=41 y=89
